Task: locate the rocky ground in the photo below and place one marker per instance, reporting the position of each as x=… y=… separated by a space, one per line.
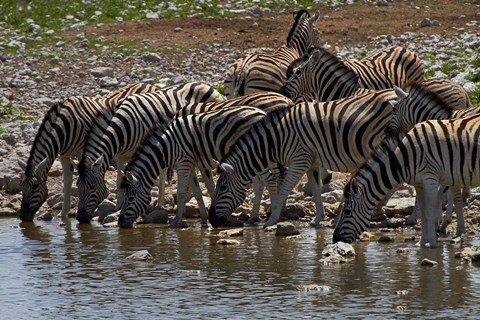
x=201 y=49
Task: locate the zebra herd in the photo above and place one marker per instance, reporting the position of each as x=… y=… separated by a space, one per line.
x=299 y=110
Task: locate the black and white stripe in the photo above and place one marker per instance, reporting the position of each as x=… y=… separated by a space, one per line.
x=191 y=141
x=267 y=72
x=434 y=154
x=336 y=135
x=119 y=138
x=63 y=133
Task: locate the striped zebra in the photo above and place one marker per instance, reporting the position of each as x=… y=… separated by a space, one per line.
x=336 y=135
x=435 y=99
x=433 y=154
x=120 y=137
x=191 y=141
x=322 y=73
x=63 y=133
x=267 y=72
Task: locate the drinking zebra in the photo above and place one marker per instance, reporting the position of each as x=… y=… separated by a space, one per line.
x=433 y=154
x=195 y=140
x=336 y=135
x=119 y=137
x=63 y=133
x=435 y=99
x=321 y=73
x=267 y=72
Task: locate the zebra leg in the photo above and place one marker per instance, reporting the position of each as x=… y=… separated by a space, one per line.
x=197 y=193
x=459 y=204
x=450 y=193
x=258 y=187
x=411 y=220
x=431 y=201
x=316 y=183
x=208 y=179
x=294 y=174
x=67 y=167
x=185 y=175
x=120 y=161
x=162 y=178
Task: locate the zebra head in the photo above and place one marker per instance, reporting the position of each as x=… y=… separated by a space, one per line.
x=303 y=33
x=354 y=218
x=91 y=188
x=34 y=188
x=135 y=200
x=401 y=120
x=300 y=76
x=229 y=193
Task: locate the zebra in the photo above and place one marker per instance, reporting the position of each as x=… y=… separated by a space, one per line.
x=63 y=133
x=336 y=135
x=194 y=140
x=120 y=136
x=267 y=72
x=435 y=99
x=322 y=73
x=433 y=154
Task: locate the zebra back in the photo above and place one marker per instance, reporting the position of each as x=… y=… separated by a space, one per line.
x=267 y=101
x=428 y=100
x=399 y=65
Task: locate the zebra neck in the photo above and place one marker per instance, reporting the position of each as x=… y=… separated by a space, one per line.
x=466 y=112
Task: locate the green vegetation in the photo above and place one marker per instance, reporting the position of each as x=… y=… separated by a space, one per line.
x=475 y=96
x=221 y=88
x=449 y=67
x=429 y=74
x=3 y=130
x=6 y=108
x=22 y=116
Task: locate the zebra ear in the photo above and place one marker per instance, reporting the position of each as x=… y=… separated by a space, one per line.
x=98 y=163
x=228 y=168
x=354 y=187
x=314 y=18
x=400 y=93
x=41 y=166
x=131 y=178
x=22 y=164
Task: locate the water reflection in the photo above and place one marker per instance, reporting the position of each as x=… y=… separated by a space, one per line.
x=71 y=271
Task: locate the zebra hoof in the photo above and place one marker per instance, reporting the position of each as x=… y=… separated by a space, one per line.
x=178 y=224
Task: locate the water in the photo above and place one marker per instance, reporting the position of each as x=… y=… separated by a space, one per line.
x=78 y=271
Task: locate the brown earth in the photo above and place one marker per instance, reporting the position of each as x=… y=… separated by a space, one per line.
x=345 y=25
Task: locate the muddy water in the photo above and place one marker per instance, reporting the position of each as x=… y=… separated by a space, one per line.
x=79 y=271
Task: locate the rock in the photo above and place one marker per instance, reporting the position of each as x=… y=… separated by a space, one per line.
x=399 y=206
x=151 y=57
x=7 y=212
x=102 y=72
x=385 y=238
x=152 y=15
x=429 y=263
x=286 y=229
x=104 y=209
x=111 y=218
x=340 y=248
x=47 y=216
x=313 y=287
x=228 y=242
x=333 y=259
x=295 y=210
x=158 y=215
x=231 y=233
x=403 y=250
x=394 y=223
x=142 y=255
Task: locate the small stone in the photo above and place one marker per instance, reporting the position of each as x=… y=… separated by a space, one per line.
x=47 y=216
x=102 y=72
x=142 y=255
x=385 y=238
x=177 y=29
x=313 y=287
x=231 y=233
x=152 y=15
x=151 y=57
x=340 y=248
x=428 y=263
x=228 y=242
x=403 y=250
x=286 y=229
x=158 y=215
x=426 y=22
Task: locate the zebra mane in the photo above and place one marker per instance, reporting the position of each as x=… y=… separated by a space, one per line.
x=299 y=15
x=426 y=91
x=378 y=155
x=49 y=117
